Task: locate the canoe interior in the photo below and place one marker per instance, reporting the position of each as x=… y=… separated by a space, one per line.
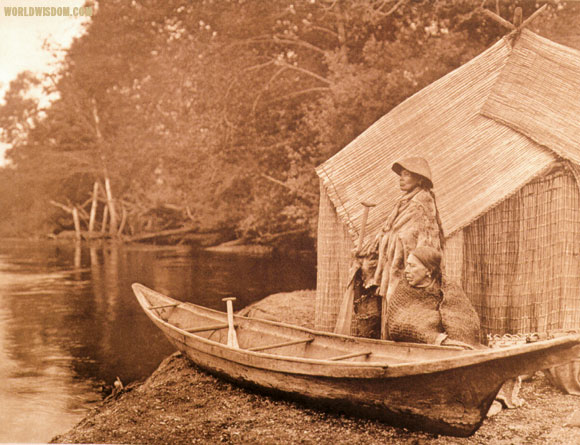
x=256 y=333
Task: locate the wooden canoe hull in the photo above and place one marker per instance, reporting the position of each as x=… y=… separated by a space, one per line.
x=448 y=396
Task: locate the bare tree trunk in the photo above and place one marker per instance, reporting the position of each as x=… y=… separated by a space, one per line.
x=123 y=220
x=94 y=205
x=105 y=219
x=78 y=260
x=77 y=223
x=340 y=28
x=111 y=206
x=108 y=191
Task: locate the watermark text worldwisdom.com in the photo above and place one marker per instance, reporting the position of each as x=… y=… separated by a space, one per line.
x=48 y=11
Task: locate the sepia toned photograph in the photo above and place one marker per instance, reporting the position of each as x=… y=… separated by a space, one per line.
x=290 y=221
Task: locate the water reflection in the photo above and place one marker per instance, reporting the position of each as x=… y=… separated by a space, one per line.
x=69 y=323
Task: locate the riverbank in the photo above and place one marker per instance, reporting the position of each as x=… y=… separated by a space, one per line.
x=179 y=403
x=224 y=241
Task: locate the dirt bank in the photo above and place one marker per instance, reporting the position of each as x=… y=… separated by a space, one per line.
x=181 y=404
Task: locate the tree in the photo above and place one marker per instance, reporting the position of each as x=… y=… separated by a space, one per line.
x=214 y=114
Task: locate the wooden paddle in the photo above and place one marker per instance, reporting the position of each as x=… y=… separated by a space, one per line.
x=367 y=206
x=232 y=337
x=344 y=320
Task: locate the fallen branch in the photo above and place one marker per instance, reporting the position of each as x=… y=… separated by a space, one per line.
x=304 y=71
x=61 y=206
x=274 y=236
x=394 y=8
x=162 y=234
x=189 y=214
x=302 y=194
x=299 y=93
x=74 y=211
x=267 y=87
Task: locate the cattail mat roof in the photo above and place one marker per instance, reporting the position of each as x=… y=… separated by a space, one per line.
x=486 y=129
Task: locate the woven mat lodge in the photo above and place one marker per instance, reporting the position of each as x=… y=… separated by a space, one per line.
x=502 y=136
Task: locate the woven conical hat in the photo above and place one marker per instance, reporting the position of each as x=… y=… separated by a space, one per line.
x=419 y=166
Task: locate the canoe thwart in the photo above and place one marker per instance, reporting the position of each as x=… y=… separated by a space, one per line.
x=352 y=355
x=281 y=345
x=162 y=306
x=211 y=327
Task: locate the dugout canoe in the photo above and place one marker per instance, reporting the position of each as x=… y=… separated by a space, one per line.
x=439 y=389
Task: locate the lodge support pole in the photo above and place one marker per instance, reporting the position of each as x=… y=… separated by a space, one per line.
x=518 y=24
x=518 y=16
x=531 y=18
x=498 y=19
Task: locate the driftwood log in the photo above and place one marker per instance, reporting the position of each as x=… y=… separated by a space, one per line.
x=162 y=234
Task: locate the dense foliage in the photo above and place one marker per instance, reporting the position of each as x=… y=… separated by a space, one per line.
x=214 y=113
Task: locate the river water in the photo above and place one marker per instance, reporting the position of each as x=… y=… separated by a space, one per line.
x=70 y=324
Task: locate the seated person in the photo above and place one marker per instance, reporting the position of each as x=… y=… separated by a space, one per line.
x=426 y=309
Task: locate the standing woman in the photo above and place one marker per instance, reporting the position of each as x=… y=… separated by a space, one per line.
x=413 y=222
